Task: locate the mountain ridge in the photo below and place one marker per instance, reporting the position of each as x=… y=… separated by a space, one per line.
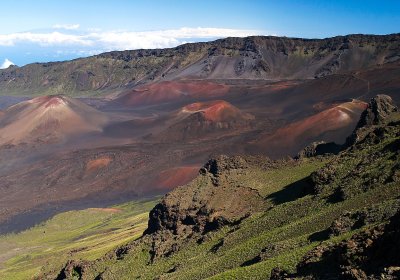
x=256 y=57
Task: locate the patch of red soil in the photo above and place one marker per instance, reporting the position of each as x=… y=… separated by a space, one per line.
x=177 y=176
x=200 y=120
x=304 y=131
x=282 y=85
x=216 y=111
x=98 y=163
x=172 y=90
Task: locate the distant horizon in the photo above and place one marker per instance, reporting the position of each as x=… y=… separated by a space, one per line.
x=47 y=31
x=7 y=63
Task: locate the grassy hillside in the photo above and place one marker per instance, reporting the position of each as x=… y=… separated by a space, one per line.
x=84 y=234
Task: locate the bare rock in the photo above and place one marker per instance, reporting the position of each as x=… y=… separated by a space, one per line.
x=202 y=206
x=318 y=149
x=378 y=111
x=223 y=163
x=371 y=254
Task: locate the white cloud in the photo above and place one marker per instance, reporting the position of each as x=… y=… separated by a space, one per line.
x=78 y=53
x=44 y=39
x=7 y=63
x=122 y=40
x=66 y=26
x=164 y=38
x=94 y=29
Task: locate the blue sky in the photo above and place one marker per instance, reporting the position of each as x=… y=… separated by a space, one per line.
x=43 y=30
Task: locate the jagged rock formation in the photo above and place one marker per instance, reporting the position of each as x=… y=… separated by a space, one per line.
x=73 y=269
x=360 y=218
x=252 y=57
x=217 y=166
x=378 y=111
x=319 y=148
x=205 y=205
x=371 y=254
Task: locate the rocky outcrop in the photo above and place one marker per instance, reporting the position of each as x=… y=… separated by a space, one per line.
x=358 y=219
x=379 y=109
x=377 y=113
x=205 y=205
x=318 y=149
x=73 y=270
x=372 y=254
x=216 y=166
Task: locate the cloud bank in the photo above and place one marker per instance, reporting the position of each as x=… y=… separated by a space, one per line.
x=120 y=40
x=66 y=26
x=69 y=41
x=7 y=63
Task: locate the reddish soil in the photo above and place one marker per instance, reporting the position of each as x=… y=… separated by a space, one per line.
x=178 y=176
x=171 y=90
x=200 y=120
x=98 y=163
x=283 y=85
x=316 y=126
x=215 y=111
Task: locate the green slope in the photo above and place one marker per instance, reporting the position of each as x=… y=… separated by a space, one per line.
x=84 y=234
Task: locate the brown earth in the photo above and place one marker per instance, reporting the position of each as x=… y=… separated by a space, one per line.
x=177 y=176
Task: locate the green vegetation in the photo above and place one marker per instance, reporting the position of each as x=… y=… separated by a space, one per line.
x=273 y=180
x=84 y=234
